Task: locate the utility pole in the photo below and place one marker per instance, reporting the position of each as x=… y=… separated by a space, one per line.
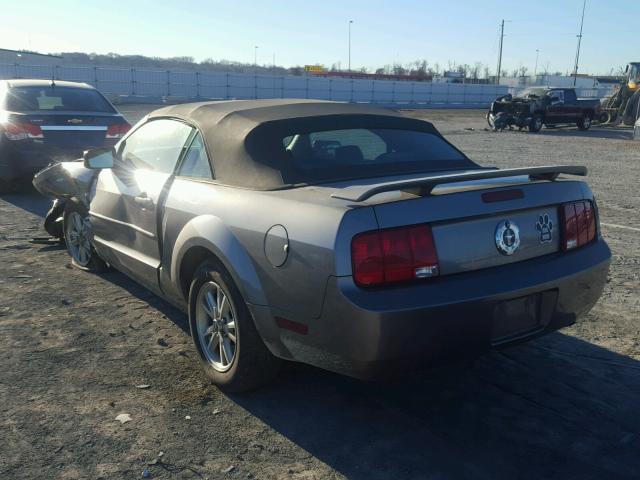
x=350 y=22
x=500 y=54
x=575 y=70
x=535 y=69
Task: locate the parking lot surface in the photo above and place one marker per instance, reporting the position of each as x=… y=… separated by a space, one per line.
x=78 y=349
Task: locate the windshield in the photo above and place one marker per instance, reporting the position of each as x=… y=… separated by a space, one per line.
x=365 y=152
x=634 y=72
x=46 y=98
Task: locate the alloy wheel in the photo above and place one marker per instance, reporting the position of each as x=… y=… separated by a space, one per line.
x=216 y=325
x=77 y=237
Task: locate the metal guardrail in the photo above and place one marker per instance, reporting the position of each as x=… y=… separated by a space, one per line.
x=141 y=83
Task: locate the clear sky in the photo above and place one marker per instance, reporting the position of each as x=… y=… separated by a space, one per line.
x=306 y=32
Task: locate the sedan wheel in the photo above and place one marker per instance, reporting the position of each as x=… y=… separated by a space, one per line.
x=230 y=348
x=217 y=331
x=77 y=235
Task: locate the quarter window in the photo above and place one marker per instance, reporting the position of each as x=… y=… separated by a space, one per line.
x=196 y=162
x=156 y=146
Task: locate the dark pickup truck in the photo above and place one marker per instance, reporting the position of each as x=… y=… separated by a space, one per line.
x=538 y=106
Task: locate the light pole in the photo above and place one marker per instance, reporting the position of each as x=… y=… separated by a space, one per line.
x=255 y=57
x=350 y=22
x=575 y=70
x=500 y=54
x=535 y=69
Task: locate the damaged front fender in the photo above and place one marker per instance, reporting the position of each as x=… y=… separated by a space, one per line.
x=66 y=180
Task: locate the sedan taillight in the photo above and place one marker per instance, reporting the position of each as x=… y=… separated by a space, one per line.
x=21 y=131
x=395 y=255
x=118 y=131
x=578 y=224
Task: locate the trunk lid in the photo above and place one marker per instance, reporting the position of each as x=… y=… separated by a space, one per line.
x=65 y=135
x=74 y=130
x=472 y=231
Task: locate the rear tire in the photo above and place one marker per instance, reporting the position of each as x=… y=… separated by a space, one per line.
x=230 y=348
x=632 y=109
x=585 y=122
x=77 y=234
x=536 y=124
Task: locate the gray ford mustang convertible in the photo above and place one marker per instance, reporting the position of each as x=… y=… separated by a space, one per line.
x=344 y=236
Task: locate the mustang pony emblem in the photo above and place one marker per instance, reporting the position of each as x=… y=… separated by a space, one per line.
x=545 y=226
x=507 y=237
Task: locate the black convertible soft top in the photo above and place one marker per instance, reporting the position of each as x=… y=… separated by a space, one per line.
x=244 y=137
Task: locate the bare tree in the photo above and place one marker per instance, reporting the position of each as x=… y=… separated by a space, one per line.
x=474 y=72
x=399 y=69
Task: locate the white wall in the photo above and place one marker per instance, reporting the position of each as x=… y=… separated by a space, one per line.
x=221 y=85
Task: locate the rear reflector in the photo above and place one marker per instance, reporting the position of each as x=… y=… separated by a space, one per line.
x=22 y=131
x=118 y=131
x=296 y=327
x=578 y=224
x=394 y=255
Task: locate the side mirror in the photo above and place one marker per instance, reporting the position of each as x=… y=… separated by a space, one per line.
x=97 y=158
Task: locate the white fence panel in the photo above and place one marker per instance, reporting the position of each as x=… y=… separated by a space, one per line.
x=213 y=85
x=115 y=81
x=340 y=89
x=221 y=85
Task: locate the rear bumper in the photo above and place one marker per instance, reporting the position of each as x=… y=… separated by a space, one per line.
x=373 y=333
x=17 y=161
x=25 y=159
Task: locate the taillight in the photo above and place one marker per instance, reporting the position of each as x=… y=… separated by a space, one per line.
x=394 y=255
x=22 y=131
x=578 y=224
x=118 y=131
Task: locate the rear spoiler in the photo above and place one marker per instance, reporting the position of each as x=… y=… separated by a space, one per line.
x=360 y=193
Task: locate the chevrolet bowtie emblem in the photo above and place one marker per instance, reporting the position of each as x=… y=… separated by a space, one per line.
x=74 y=120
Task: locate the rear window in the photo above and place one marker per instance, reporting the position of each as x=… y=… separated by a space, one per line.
x=391 y=150
x=31 y=99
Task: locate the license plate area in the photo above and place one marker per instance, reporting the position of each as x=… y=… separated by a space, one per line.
x=523 y=316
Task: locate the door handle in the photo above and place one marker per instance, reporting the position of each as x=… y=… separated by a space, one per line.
x=143 y=201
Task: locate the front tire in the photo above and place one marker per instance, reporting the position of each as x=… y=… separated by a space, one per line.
x=53 y=221
x=77 y=235
x=536 y=124
x=230 y=348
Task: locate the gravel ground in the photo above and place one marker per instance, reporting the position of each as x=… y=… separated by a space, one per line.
x=78 y=348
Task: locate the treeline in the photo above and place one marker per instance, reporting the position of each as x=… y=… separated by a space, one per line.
x=171 y=63
x=417 y=68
